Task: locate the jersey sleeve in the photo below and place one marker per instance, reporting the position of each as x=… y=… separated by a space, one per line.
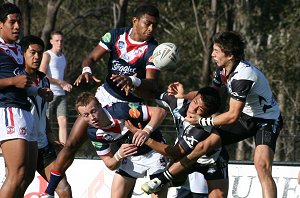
x=129 y=111
x=149 y=55
x=241 y=83
x=165 y=100
x=107 y=39
x=240 y=89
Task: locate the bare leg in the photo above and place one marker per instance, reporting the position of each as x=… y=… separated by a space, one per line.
x=63 y=189
x=76 y=138
x=263 y=160
x=66 y=156
x=14 y=153
x=218 y=188
x=122 y=186
x=63 y=125
x=30 y=163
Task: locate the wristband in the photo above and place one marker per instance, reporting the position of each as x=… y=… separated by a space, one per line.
x=206 y=121
x=86 y=69
x=135 y=81
x=118 y=156
x=149 y=127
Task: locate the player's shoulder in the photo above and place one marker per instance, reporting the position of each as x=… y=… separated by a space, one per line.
x=119 y=31
x=245 y=69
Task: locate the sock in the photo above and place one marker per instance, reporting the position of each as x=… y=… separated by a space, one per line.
x=55 y=178
x=166 y=177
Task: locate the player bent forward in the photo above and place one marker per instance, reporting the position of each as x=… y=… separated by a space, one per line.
x=106 y=126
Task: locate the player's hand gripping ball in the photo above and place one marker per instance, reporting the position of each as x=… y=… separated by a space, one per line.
x=166 y=55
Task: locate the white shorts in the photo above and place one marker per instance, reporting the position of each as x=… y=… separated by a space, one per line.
x=147 y=164
x=16 y=123
x=105 y=98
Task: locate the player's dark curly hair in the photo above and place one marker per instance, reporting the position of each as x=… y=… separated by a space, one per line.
x=84 y=99
x=31 y=39
x=211 y=99
x=231 y=43
x=6 y=9
x=146 y=9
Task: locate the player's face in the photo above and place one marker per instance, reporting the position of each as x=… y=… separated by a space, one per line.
x=196 y=106
x=33 y=57
x=221 y=59
x=56 y=42
x=10 y=29
x=145 y=27
x=92 y=113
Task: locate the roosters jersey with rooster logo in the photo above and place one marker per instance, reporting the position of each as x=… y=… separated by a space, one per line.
x=118 y=113
x=11 y=65
x=127 y=57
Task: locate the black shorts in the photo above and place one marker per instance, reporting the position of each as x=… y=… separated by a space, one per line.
x=214 y=171
x=46 y=156
x=264 y=131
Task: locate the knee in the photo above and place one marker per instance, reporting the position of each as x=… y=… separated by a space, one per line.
x=17 y=176
x=263 y=168
x=70 y=147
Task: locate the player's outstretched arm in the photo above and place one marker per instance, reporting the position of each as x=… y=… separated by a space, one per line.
x=86 y=76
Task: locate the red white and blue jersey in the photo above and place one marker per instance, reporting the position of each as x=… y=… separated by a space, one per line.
x=117 y=132
x=38 y=109
x=127 y=57
x=248 y=84
x=11 y=65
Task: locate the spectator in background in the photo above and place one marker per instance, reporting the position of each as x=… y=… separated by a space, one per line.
x=33 y=48
x=54 y=64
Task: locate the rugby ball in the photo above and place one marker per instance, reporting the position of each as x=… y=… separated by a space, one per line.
x=165 y=55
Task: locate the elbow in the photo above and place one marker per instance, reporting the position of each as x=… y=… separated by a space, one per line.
x=162 y=112
x=232 y=120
